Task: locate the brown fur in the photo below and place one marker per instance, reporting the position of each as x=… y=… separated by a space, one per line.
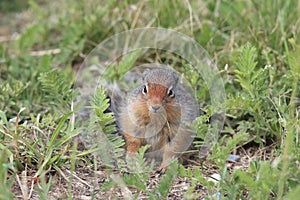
x=142 y=125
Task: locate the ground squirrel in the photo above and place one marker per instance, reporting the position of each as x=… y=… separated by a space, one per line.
x=156 y=113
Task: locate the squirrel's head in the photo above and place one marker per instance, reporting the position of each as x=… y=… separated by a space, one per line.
x=159 y=88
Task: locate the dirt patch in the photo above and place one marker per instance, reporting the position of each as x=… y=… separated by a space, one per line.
x=85 y=182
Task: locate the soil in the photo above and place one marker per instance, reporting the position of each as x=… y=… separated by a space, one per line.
x=86 y=183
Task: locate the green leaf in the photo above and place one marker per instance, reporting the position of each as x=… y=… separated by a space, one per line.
x=58 y=89
x=3 y=117
x=5 y=181
x=246 y=64
x=134 y=181
x=182 y=171
x=108 y=185
x=58 y=129
x=294 y=193
x=167 y=179
x=31 y=36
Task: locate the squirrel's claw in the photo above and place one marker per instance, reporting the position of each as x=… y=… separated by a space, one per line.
x=162 y=169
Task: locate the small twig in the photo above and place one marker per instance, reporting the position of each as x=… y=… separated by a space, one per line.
x=5 y=131
x=72 y=117
x=37 y=175
x=136 y=17
x=31 y=188
x=15 y=141
x=23 y=184
x=191 y=15
x=62 y=174
x=45 y=52
x=194 y=162
x=82 y=181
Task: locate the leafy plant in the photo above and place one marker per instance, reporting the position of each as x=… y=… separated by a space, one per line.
x=100 y=128
x=165 y=182
x=252 y=101
x=58 y=89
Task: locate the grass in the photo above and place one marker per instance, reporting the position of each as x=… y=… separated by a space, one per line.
x=257 y=50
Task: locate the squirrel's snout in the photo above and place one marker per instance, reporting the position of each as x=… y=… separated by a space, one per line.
x=156 y=108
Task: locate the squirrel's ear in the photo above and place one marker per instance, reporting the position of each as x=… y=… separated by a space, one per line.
x=146 y=71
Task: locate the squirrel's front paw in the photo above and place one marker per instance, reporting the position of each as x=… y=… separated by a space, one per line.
x=163 y=168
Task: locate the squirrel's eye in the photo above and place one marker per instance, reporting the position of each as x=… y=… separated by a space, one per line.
x=145 y=90
x=171 y=93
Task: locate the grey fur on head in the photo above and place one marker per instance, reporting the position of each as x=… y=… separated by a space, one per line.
x=162 y=76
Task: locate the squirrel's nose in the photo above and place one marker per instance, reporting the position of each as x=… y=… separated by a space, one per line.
x=156 y=107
